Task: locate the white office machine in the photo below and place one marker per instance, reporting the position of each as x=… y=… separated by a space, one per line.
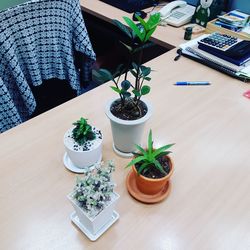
x=178 y=13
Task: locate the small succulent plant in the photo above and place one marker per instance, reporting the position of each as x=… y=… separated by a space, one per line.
x=147 y=159
x=83 y=131
x=95 y=189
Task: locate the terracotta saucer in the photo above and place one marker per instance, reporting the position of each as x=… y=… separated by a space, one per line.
x=145 y=198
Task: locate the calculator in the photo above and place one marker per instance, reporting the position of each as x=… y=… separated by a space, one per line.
x=229 y=48
x=219 y=41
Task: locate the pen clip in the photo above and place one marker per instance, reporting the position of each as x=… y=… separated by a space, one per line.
x=179 y=53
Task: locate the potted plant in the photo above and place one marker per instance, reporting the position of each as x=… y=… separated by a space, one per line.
x=83 y=144
x=152 y=168
x=93 y=199
x=129 y=112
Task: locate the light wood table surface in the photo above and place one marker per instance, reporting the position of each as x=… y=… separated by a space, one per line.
x=209 y=204
x=166 y=36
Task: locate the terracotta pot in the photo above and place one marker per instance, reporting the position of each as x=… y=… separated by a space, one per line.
x=152 y=186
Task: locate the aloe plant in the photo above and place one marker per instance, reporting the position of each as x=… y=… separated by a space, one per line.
x=138 y=39
x=149 y=158
x=82 y=131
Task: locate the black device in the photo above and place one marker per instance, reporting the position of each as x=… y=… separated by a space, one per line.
x=142 y=14
x=131 y=5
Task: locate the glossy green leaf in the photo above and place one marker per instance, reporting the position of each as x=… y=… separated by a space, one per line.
x=145 y=90
x=135 y=66
x=134 y=27
x=149 y=34
x=133 y=73
x=127 y=46
x=153 y=20
x=99 y=77
x=144 y=46
x=116 y=89
x=136 y=92
x=147 y=78
x=145 y=70
x=142 y=22
x=126 y=94
x=105 y=74
x=119 y=70
x=122 y=27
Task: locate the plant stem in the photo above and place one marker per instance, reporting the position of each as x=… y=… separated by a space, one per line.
x=137 y=81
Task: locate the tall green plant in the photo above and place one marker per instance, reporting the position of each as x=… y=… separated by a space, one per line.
x=138 y=39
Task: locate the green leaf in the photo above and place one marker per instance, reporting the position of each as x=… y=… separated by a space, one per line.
x=122 y=27
x=127 y=46
x=116 y=89
x=162 y=149
x=143 y=23
x=153 y=20
x=106 y=74
x=134 y=27
x=147 y=78
x=96 y=74
x=133 y=73
x=126 y=94
x=159 y=166
x=135 y=66
x=119 y=69
x=145 y=90
x=141 y=149
x=143 y=167
x=149 y=34
x=145 y=70
x=144 y=46
x=136 y=92
x=125 y=84
x=135 y=160
x=150 y=142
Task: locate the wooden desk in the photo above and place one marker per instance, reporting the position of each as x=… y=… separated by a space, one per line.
x=209 y=205
x=168 y=36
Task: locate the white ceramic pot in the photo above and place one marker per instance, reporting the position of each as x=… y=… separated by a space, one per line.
x=126 y=133
x=83 y=158
x=94 y=224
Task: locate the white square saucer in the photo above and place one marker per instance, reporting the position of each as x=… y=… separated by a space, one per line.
x=93 y=237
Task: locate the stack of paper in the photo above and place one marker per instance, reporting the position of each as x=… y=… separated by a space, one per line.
x=234 y=20
x=191 y=50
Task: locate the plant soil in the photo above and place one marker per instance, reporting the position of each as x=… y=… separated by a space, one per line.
x=153 y=172
x=129 y=111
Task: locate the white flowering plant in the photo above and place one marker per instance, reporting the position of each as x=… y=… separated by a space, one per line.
x=94 y=191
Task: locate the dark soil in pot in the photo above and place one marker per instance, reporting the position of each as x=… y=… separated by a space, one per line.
x=154 y=173
x=129 y=111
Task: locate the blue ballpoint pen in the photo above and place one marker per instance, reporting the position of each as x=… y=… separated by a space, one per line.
x=193 y=83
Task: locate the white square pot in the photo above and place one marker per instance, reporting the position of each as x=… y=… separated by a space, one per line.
x=94 y=224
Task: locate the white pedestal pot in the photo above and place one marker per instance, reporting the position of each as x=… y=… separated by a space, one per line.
x=126 y=133
x=84 y=158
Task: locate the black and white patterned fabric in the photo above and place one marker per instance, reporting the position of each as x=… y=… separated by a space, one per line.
x=38 y=41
